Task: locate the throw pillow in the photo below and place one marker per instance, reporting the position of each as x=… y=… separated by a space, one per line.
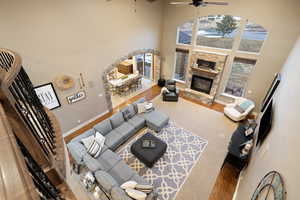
x=144 y=188
x=141 y=107
x=239 y=109
x=92 y=146
x=245 y=105
x=126 y=114
x=165 y=90
x=100 y=139
x=135 y=194
x=128 y=185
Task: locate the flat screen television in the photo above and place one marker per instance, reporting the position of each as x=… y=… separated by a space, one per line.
x=270 y=92
x=267 y=111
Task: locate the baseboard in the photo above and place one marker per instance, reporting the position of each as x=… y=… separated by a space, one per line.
x=84 y=124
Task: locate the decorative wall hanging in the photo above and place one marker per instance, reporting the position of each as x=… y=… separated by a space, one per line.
x=47 y=96
x=64 y=82
x=82 y=84
x=78 y=96
x=270 y=187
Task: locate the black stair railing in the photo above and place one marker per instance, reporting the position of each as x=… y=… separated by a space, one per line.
x=26 y=102
x=46 y=189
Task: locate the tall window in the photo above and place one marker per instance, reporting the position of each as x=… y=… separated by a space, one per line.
x=234 y=36
x=181 y=64
x=217 y=31
x=252 y=38
x=184 y=33
x=240 y=71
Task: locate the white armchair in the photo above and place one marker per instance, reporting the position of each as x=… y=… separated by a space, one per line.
x=239 y=110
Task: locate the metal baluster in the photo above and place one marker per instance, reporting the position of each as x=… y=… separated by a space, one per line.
x=36 y=112
x=26 y=120
x=40 y=179
x=17 y=91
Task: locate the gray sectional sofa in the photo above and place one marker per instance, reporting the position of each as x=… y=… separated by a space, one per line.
x=109 y=169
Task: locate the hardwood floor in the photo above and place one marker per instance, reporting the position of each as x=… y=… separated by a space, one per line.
x=225 y=183
x=227 y=179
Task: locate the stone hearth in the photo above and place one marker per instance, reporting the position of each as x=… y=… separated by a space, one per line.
x=211 y=70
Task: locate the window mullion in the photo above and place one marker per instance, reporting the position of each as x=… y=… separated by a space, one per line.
x=238 y=37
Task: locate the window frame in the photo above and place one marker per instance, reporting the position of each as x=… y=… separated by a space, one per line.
x=232 y=53
x=186 y=50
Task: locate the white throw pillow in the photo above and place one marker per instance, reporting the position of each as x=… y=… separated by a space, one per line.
x=135 y=194
x=141 y=107
x=128 y=185
x=93 y=144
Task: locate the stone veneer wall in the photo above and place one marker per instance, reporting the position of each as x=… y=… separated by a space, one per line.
x=216 y=75
x=156 y=65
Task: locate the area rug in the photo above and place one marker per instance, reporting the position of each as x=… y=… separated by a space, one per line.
x=169 y=172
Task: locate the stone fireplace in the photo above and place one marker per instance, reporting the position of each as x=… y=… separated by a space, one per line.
x=204 y=76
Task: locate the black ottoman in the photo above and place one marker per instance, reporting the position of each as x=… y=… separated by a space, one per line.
x=149 y=156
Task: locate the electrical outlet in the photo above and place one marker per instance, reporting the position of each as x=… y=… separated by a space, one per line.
x=100 y=95
x=79 y=121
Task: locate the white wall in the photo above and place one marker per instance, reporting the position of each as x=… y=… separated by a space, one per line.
x=280 y=150
x=56 y=37
x=280 y=18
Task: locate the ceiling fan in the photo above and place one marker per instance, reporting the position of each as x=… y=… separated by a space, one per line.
x=198 y=3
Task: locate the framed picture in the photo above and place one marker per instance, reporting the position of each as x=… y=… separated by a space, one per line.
x=78 y=96
x=47 y=96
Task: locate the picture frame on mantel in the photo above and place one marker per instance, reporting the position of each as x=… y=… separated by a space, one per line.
x=47 y=95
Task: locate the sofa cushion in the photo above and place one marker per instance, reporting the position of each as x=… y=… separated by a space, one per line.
x=118 y=194
x=105 y=180
x=122 y=172
x=128 y=112
x=113 y=140
x=83 y=135
x=92 y=164
x=103 y=127
x=140 y=180
x=137 y=122
x=117 y=119
x=77 y=150
x=126 y=130
x=108 y=160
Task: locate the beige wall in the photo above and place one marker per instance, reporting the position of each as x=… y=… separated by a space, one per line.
x=56 y=37
x=279 y=17
x=280 y=150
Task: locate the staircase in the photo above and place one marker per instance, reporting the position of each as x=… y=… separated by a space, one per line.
x=32 y=128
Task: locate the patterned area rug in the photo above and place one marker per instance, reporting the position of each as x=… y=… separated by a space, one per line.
x=170 y=172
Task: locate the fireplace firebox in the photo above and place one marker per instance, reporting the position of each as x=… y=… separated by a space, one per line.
x=201 y=84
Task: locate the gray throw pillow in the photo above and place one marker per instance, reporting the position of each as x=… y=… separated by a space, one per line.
x=239 y=109
x=126 y=114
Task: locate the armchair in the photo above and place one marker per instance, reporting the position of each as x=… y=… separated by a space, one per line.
x=239 y=110
x=172 y=92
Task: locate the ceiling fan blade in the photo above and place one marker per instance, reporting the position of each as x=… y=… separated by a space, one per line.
x=216 y=3
x=180 y=3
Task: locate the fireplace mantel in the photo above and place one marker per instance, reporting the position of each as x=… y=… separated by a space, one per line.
x=209 y=71
x=214 y=74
